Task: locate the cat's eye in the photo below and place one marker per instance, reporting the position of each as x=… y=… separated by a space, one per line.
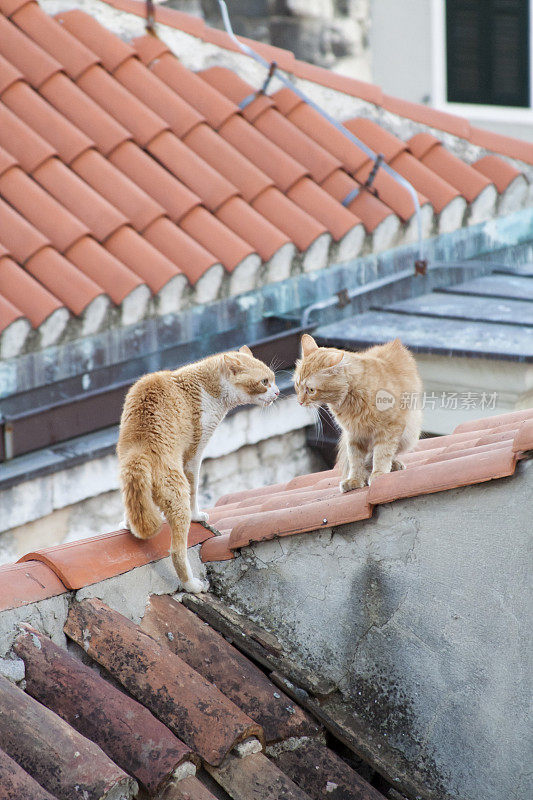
x=265 y=382
x=310 y=390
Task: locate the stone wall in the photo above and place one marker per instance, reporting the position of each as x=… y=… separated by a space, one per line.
x=421 y=617
x=329 y=33
x=85 y=501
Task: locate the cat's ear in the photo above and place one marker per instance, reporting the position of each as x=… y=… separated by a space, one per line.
x=336 y=363
x=308 y=345
x=246 y=350
x=233 y=363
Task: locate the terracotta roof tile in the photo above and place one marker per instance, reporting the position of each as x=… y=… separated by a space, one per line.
x=109 y=49
x=48 y=34
x=299 y=226
x=86 y=116
x=155 y=180
x=24 y=144
x=254 y=228
x=190 y=706
x=212 y=187
x=260 y=150
x=115 y=278
x=365 y=205
x=478 y=451
x=34 y=63
x=17 y=783
x=153 y=266
x=207 y=652
x=320 y=205
x=125 y=730
x=19 y=237
x=506 y=145
x=110 y=95
x=27 y=583
x=78 y=564
x=435 y=156
x=138 y=207
x=46 y=121
x=209 y=231
x=8 y=75
x=227 y=161
x=215 y=107
x=232 y=86
x=41 y=209
x=68 y=283
x=181 y=249
x=458 y=126
x=366 y=91
x=27 y=294
x=500 y=172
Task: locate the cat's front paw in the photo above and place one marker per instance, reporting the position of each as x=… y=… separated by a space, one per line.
x=350 y=484
x=397 y=465
x=199 y=516
x=194 y=586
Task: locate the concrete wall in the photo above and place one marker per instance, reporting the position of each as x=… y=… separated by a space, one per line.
x=420 y=616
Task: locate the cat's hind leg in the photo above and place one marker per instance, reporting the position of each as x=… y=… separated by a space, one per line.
x=173 y=497
x=356 y=474
x=384 y=457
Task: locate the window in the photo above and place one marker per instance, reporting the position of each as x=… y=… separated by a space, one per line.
x=487 y=52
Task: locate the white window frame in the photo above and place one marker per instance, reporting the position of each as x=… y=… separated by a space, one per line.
x=472 y=111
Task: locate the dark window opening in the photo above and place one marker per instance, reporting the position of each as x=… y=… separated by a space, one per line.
x=487 y=49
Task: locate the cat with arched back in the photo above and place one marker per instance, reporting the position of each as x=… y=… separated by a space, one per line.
x=167 y=420
x=373 y=397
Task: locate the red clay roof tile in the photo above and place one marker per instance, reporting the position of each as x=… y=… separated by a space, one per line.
x=8 y=75
x=212 y=187
x=24 y=292
x=500 y=172
x=154 y=267
x=45 y=120
x=192 y=259
x=437 y=190
x=301 y=519
x=187 y=23
x=442 y=120
x=320 y=205
x=232 y=86
x=215 y=107
x=104 y=269
x=435 y=156
x=18 y=236
x=26 y=146
x=366 y=91
x=251 y=226
x=30 y=582
x=523 y=439
x=155 y=180
x=36 y=65
x=17 y=783
x=260 y=150
x=506 y=145
x=9 y=313
x=139 y=208
x=497 y=422
x=369 y=208
x=300 y=226
x=110 y=50
x=84 y=114
x=227 y=161
x=50 y=35
x=217 y=549
x=374 y=136
x=75 y=289
x=41 y=209
x=210 y=232
x=110 y=95
x=88 y=561
x=101 y=218
x=439 y=476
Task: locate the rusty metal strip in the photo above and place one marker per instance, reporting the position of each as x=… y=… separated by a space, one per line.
x=15 y=784
x=255 y=778
x=321 y=773
x=212 y=656
x=130 y=735
x=59 y=758
x=194 y=709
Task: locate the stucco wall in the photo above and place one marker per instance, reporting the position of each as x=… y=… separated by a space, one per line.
x=421 y=617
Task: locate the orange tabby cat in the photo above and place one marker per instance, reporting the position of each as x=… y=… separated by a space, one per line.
x=372 y=395
x=167 y=420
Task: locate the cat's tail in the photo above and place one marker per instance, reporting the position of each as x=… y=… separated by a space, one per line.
x=142 y=513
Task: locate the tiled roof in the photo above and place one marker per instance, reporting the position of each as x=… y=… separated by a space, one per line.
x=172 y=695
x=129 y=182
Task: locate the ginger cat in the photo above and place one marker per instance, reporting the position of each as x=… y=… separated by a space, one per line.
x=167 y=420
x=366 y=394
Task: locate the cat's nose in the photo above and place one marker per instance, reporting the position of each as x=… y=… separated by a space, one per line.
x=276 y=391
